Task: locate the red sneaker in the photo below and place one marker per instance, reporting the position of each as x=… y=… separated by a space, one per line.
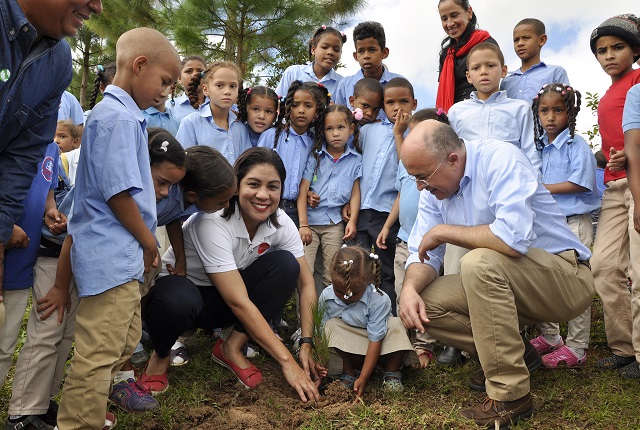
x=250 y=377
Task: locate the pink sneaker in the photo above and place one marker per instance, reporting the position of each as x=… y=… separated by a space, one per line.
x=563 y=358
x=543 y=347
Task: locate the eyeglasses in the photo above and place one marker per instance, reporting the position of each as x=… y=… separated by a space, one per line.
x=425 y=182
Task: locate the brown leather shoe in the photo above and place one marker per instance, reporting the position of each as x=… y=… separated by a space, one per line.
x=505 y=413
x=531 y=357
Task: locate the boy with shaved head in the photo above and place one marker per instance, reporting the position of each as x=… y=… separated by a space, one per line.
x=112 y=224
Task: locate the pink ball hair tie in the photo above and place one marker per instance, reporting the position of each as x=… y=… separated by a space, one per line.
x=357 y=114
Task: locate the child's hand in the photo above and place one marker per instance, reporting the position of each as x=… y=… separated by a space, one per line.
x=180 y=269
x=150 y=257
x=617 y=160
x=381 y=241
x=56 y=221
x=350 y=230
x=305 y=235
x=56 y=299
x=313 y=199
x=359 y=387
x=346 y=212
x=18 y=238
x=402 y=122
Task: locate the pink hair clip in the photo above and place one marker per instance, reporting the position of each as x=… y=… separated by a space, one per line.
x=320 y=85
x=342 y=33
x=324 y=27
x=249 y=90
x=563 y=93
x=569 y=89
x=357 y=114
x=439 y=112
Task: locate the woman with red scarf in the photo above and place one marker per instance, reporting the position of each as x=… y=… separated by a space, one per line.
x=459 y=22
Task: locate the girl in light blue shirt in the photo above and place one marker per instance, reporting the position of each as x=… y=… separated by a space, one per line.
x=257 y=109
x=325 y=47
x=180 y=107
x=568 y=172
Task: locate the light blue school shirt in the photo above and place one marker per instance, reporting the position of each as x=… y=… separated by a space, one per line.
x=575 y=163
x=346 y=85
x=333 y=182
x=172 y=207
x=294 y=150
x=500 y=188
x=70 y=109
x=199 y=128
x=180 y=107
x=409 y=197
x=372 y=311
x=379 y=166
x=525 y=86
x=114 y=158
x=600 y=181
x=305 y=73
x=165 y=120
x=631 y=113
x=500 y=118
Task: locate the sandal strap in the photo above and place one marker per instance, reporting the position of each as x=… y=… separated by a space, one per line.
x=391 y=376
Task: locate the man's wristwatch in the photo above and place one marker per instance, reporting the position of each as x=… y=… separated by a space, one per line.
x=308 y=340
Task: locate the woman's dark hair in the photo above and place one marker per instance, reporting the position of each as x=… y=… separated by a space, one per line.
x=164 y=147
x=208 y=172
x=354 y=266
x=104 y=77
x=320 y=33
x=449 y=42
x=245 y=96
x=320 y=95
x=248 y=160
x=192 y=88
x=319 y=138
x=571 y=98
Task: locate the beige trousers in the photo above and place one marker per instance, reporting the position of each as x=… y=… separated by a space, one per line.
x=481 y=309
x=40 y=365
x=616 y=250
x=108 y=328
x=16 y=302
x=327 y=238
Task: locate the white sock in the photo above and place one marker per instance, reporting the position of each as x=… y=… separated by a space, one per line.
x=124 y=375
x=553 y=339
x=579 y=352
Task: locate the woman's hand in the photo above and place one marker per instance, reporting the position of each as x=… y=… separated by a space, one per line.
x=300 y=381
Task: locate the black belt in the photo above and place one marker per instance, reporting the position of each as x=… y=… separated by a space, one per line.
x=289 y=203
x=398 y=240
x=49 y=248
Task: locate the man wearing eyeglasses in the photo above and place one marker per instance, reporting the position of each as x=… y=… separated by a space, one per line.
x=525 y=265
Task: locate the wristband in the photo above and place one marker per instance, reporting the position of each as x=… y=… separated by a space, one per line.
x=308 y=340
x=303 y=226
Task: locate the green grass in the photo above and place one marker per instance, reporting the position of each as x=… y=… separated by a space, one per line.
x=203 y=395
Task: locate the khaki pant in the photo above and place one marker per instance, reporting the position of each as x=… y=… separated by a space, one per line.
x=579 y=328
x=329 y=239
x=16 y=302
x=481 y=309
x=108 y=328
x=616 y=250
x=419 y=340
x=42 y=359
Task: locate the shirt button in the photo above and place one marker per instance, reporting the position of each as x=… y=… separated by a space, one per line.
x=25 y=28
x=12 y=32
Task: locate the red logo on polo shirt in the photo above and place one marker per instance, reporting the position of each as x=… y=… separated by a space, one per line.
x=47 y=168
x=262 y=248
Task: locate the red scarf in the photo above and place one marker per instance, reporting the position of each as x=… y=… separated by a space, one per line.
x=447 y=85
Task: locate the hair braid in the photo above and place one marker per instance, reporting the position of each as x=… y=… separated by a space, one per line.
x=192 y=90
x=104 y=77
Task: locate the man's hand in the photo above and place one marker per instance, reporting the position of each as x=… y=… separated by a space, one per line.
x=429 y=242
x=412 y=310
x=18 y=238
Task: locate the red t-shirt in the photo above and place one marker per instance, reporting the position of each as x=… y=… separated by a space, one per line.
x=610 y=111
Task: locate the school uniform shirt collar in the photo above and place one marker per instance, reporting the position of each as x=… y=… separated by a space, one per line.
x=560 y=139
x=205 y=112
x=495 y=97
x=386 y=77
x=332 y=75
x=292 y=132
x=366 y=297
x=520 y=73
x=348 y=150
x=125 y=98
x=152 y=110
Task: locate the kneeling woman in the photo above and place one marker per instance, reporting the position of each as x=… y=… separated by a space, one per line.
x=243 y=264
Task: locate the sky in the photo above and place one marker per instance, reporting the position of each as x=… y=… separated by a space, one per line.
x=414 y=34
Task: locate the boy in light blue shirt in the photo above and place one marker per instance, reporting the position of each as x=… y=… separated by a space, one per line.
x=158 y=116
x=489 y=113
x=380 y=146
x=528 y=39
x=371 y=50
x=112 y=224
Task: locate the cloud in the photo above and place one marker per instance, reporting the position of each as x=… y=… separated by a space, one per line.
x=414 y=34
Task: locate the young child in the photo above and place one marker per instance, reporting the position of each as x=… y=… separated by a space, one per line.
x=380 y=144
x=325 y=47
x=358 y=322
x=181 y=106
x=214 y=124
x=112 y=223
x=297 y=123
x=67 y=136
x=158 y=116
x=489 y=113
x=528 y=39
x=258 y=109
x=370 y=42
x=568 y=172
x=405 y=211
x=333 y=172
x=616 y=45
x=367 y=96
x=22 y=251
